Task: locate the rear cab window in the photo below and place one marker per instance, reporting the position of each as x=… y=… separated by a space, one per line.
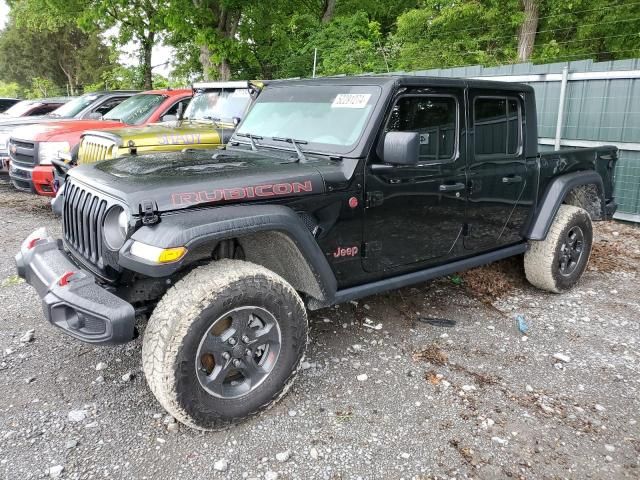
x=497 y=125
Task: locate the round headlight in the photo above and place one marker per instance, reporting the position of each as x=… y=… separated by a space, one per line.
x=116 y=224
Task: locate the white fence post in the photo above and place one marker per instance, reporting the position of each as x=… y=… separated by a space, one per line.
x=563 y=93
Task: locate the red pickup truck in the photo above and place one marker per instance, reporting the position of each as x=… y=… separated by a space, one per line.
x=32 y=148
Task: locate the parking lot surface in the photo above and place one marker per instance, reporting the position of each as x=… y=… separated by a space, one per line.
x=435 y=381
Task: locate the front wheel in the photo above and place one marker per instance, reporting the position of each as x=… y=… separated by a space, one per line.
x=224 y=343
x=556 y=263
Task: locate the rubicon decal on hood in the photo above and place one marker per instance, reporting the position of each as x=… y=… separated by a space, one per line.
x=240 y=193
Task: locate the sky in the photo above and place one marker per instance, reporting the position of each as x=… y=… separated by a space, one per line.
x=161 y=53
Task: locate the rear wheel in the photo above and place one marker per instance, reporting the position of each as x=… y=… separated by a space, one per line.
x=556 y=263
x=224 y=343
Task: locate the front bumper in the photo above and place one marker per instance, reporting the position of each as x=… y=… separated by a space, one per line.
x=21 y=177
x=71 y=298
x=42 y=178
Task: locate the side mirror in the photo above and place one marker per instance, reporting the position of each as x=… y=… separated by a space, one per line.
x=95 y=116
x=169 y=118
x=401 y=148
x=236 y=121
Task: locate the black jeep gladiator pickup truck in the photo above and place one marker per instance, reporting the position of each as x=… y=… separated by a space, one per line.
x=330 y=190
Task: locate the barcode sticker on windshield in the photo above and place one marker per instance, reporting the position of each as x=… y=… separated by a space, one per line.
x=351 y=100
x=241 y=92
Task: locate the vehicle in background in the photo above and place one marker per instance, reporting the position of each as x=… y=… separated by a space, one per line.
x=89 y=105
x=32 y=148
x=330 y=190
x=208 y=122
x=29 y=108
x=5 y=103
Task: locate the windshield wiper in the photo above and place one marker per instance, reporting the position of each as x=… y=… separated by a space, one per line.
x=295 y=143
x=252 y=138
x=216 y=121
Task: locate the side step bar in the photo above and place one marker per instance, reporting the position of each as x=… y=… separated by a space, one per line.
x=405 y=280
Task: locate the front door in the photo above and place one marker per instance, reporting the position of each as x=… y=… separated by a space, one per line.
x=496 y=211
x=415 y=213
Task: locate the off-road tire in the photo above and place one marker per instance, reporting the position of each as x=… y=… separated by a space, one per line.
x=174 y=331
x=542 y=260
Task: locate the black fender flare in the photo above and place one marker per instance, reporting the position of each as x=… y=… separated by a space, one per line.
x=200 y=230
x=555 y=194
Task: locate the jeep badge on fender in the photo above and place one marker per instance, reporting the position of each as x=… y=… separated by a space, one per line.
x=226 y=250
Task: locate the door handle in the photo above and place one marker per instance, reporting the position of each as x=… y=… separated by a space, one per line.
x=512 y=179
x=452 y=187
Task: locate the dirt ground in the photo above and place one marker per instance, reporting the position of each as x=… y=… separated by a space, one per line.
x=446 y=387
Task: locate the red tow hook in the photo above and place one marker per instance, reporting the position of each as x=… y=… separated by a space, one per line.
x=32 y=243
x=64 y=279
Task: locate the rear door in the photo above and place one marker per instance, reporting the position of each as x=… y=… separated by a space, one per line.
x=497 y=171
x=107 y=105
x=415 y=213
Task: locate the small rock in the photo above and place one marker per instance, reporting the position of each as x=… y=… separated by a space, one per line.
x=562 y=357
x=77 y=415
x=314 y=453
x=55 y=472
x=283 y=456
x=26 y=338
x=91 y=425
x=499 y=441
x=608 y=458
x=305 y=365
x=29 y=380
x=292 y=413
x=529 y=388
x=362 y=378
x=609 y=448
x=221 y=465
x=271 y=475
x=160 y=440
x=613 y=292
x=599 y=407
x=101 y=366
x=8 y=351
x=127 y=377
x=468 y=388
x=99 y=379
x=173 y=427
x=405 y=455
x=71 y=444
x=168 y=419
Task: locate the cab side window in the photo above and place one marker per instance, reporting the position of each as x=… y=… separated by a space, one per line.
x=173 y=109
x=497 y=126
x=433 y=117
x=108 y=105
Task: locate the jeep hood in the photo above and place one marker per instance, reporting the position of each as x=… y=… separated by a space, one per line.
x=168 y=133
x=179 y=180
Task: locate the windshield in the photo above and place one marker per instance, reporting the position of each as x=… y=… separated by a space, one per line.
x=20 y=108
x=219 y=105
x=135 y=110
x=327 y=117
x=75 y=106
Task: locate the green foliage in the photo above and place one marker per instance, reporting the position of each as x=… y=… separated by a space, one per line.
x=42 y=87
x=349 y=45
x=462 y=33
x=66 y=57
x=252 y=39
x=10 y=89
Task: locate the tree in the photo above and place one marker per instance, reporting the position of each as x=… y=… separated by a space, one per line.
x=140 y=21
x=527 y=33
x=462 y=33
x=67 y=57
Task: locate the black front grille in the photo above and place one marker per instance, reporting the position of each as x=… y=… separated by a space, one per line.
x=83 y=215
x=22 y=152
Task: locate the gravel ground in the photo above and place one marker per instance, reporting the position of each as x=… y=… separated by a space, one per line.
x=384 y=395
